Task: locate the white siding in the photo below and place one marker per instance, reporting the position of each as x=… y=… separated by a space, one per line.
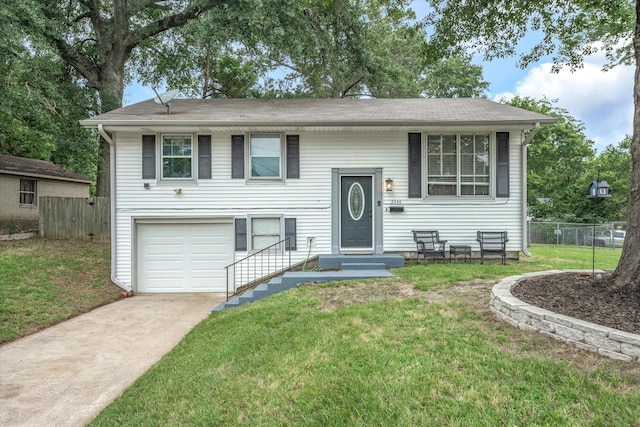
x=308 y=199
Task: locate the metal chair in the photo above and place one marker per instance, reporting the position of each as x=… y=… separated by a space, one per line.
x=428 y=244
x=493 y=242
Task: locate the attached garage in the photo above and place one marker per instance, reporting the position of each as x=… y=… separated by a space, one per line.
x=183 y=256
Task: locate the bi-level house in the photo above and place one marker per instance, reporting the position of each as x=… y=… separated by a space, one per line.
x=217 y=180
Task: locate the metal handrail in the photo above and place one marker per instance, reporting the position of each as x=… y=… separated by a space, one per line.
x=257 y=273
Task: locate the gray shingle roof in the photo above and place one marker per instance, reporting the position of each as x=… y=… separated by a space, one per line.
x=366 y=112
x=31 y=167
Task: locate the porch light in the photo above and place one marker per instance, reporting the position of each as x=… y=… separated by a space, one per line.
x=388 y=184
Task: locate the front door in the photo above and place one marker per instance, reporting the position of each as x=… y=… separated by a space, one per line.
x=356 y=212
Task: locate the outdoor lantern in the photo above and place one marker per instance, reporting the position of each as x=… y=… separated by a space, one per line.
x=598 y=189
x=388 y=184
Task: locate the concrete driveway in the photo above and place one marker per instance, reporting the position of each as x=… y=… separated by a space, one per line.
x=66 y=374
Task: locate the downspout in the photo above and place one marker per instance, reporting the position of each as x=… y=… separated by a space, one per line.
x=526 y=142
x=112 y=191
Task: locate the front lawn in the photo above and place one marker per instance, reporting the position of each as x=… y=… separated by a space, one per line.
x=43 y=282
x=383 y=352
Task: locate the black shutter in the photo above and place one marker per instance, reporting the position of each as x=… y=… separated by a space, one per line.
x=241 y=234
x=415 y=165
x=502 y=164
x=148 y=156
x=293 y=156
x=237 y=156
x=290 y=231
x=204 y=156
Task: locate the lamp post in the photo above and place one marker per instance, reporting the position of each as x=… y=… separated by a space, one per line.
x=597 y=190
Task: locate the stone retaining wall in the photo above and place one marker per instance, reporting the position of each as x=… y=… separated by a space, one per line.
x=17 y=236
x=606 y=341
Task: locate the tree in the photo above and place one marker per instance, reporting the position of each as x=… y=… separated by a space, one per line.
x=455 y=77
x=309 y=49
x=40 y=106
x=614 y=166
x=570 y=30
x=556 y=158
x=97 y=39
x=280 y=48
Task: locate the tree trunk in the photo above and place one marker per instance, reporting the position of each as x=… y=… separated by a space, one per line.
x=628 y=271
x=111 y=94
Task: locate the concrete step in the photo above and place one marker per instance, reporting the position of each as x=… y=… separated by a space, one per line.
x=247 y=296
x=363 y=266
x=233 y=302
x=295 y=278
x=334 y=261
x=261 y=291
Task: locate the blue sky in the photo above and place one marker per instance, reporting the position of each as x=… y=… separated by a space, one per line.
x=603 y=101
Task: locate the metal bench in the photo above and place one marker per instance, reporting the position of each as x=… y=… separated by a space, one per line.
x=493 y=242
x=428 y=244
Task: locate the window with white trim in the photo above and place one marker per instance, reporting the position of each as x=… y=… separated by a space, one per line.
x=459 y=164
x=265 y=231
x=177 y=157
x=28 y=192
x=265 y=158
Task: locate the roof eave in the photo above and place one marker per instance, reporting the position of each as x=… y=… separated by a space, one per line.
x=90 y=123
x=45 y=176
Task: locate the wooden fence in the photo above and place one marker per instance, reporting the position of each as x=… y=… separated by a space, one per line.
x=75 y=218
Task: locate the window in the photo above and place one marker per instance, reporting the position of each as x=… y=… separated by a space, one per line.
x=264 y=232
x=265 y=156
x=177 y=157
x=458 y=165
x=474 y=165
x=442 y=165
x=28 y=192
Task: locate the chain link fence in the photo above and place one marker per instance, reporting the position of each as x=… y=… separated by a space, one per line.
x=609 y=234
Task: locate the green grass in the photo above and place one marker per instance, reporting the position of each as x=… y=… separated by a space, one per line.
x=44 y=282
x=298 y=358
x=544 y=257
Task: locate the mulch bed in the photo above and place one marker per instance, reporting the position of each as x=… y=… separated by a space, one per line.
x=583 y=297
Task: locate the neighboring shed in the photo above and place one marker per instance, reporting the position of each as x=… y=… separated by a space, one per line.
x=23 y=181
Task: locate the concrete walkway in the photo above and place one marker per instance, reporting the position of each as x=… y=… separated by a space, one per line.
x=66 y=374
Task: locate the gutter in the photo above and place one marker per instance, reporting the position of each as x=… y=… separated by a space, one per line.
x=174 y=120
x=526 y=142
x=112 y=191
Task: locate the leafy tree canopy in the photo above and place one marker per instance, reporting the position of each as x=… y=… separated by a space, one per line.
x=454 y=77
x=614 y=166
x=557 y=158
x=290 y=48
x=569 y=30
x=41 y=104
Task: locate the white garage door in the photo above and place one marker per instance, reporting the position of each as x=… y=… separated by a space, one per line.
x=183 y=257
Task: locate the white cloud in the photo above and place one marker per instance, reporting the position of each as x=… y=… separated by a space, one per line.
x=602 y=100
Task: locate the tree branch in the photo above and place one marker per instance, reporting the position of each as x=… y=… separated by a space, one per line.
x=176 y=20
x=71 y=57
